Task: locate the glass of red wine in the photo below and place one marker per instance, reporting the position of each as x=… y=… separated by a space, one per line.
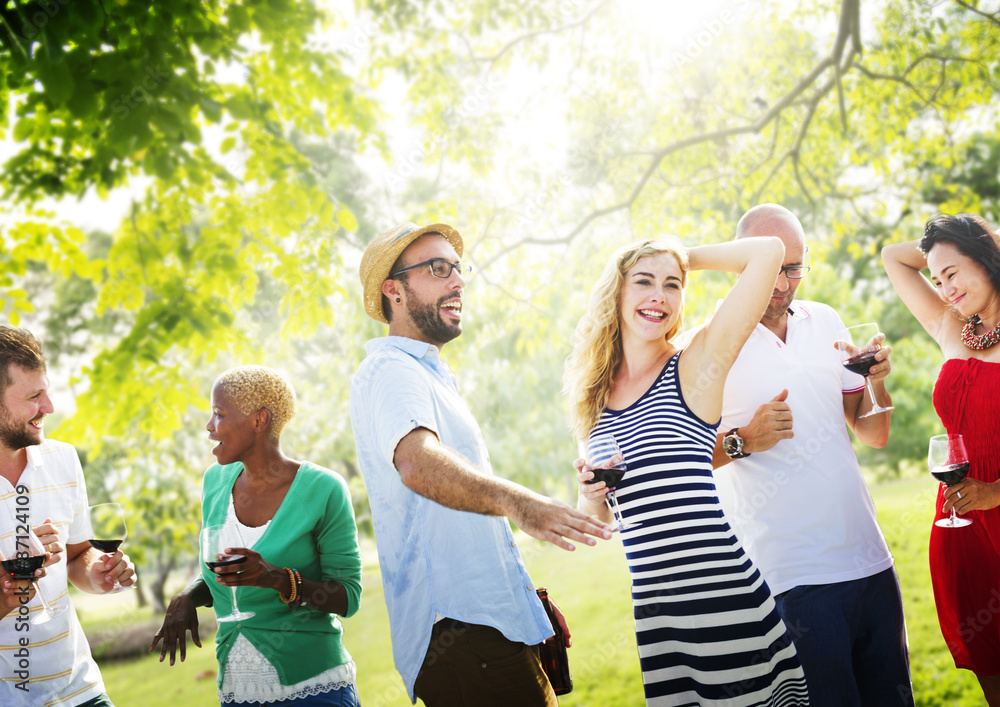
x=608 y=464
x=21 y=554
x=215 y=540
x=949 y=464
x=858 y=345
x=107 y=532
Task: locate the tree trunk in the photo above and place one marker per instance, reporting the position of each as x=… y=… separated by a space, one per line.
x=163 y=571
x=140 y=595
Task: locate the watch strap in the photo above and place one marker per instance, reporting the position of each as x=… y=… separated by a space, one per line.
x=740 y=454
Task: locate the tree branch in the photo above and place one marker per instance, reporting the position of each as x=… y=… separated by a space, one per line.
x=994 y=18
x=524 y=37
x=847 y=29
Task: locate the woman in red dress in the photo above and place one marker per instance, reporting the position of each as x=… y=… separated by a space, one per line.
x=960 y=308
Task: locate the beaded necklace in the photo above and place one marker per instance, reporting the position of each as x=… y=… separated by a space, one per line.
x=983 y=341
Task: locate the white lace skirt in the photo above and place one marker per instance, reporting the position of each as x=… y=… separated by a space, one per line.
x=251 y=678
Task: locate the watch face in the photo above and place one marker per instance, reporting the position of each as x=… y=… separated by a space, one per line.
x=732 y=444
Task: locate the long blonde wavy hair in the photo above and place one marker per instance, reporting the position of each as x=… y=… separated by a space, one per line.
x=597 y=346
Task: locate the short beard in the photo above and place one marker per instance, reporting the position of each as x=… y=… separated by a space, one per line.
x=12 y=437
x=427 y=318
x=776 y=311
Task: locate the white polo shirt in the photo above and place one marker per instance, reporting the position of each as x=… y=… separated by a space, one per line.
x=59 y=668
x=801 y=508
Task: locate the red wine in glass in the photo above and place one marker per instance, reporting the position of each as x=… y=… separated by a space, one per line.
x=950 y=474
x=857 y=346
x=611 y=476
x=608 y=465
x=949 y=463
x=107 y=546
x=861 y=363
x=215 y=540
x=107 y=532
x=227 y=560
x=23 y=567
x=21 y=554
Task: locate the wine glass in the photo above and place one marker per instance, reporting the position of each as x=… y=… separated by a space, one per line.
x=21 y=553
x=608 y=464
x=215 y=540
x=858 y=346
x=949 y=464
x=107 y=532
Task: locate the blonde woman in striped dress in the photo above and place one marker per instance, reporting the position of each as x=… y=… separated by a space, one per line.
x=707 y=628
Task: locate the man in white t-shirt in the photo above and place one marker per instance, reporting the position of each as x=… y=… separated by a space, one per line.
x=41 y=484
x=801 y=506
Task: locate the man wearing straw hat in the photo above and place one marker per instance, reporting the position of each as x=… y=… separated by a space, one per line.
x=463 y=612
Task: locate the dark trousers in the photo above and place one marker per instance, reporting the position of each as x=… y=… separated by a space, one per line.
x=468 y=665
x=851 y=641
x=99 y=701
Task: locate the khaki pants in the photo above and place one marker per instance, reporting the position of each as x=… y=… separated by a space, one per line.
x=468 y=665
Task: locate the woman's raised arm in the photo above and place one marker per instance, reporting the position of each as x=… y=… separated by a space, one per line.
x=903 y=263
x=715 y=347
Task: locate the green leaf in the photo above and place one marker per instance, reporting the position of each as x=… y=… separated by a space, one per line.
x=325 y=215
x=57 y=79
x=24 y=128
x=346 y=219
x=228 y=144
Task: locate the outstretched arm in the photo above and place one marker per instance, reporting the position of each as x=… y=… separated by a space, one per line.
x=715 y=347
x=432 y=470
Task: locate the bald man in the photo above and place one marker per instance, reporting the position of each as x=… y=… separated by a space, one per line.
x=801 y=504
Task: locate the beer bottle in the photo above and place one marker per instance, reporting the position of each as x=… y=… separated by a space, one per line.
x=553 y=652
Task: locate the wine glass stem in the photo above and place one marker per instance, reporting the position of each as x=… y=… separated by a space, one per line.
x=871 y=392
x=613 y=503
x=236 y=608
x=41 y=597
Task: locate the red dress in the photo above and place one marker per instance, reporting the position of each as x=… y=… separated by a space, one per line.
x=965 y=562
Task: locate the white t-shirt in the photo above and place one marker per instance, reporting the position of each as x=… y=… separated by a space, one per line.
x=56 y=659
x=801 y=508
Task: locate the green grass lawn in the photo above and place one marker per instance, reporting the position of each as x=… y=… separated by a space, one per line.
x=591 y=585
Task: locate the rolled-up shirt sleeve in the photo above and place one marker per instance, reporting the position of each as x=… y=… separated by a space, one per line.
x=399 y=390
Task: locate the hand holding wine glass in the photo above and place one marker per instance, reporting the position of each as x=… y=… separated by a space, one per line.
x=216 y=542
x=607 y=462
x=949 y=463
x=48 y=535
x=107 y=532
x=22 y=556
x=858 y=346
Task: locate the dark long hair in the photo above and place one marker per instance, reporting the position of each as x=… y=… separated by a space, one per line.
x=971 y=235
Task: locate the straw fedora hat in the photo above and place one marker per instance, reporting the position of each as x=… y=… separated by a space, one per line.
x=383 y=251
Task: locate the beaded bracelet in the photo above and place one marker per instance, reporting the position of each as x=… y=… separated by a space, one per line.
x=298 y=600
x=293 y=595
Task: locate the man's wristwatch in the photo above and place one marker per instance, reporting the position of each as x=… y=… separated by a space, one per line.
x=732 y=444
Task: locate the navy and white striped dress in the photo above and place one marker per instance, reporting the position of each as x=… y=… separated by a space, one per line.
x=707 y=627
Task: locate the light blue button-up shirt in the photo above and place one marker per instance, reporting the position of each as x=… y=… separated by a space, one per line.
x=435 y=561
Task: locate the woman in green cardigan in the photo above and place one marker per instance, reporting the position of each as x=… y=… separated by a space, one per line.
x=303 y=566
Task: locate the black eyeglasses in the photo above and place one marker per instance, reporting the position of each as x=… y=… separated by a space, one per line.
x=439 y=268
x=795 y=272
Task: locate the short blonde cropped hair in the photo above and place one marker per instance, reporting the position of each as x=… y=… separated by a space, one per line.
x=254 y=387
